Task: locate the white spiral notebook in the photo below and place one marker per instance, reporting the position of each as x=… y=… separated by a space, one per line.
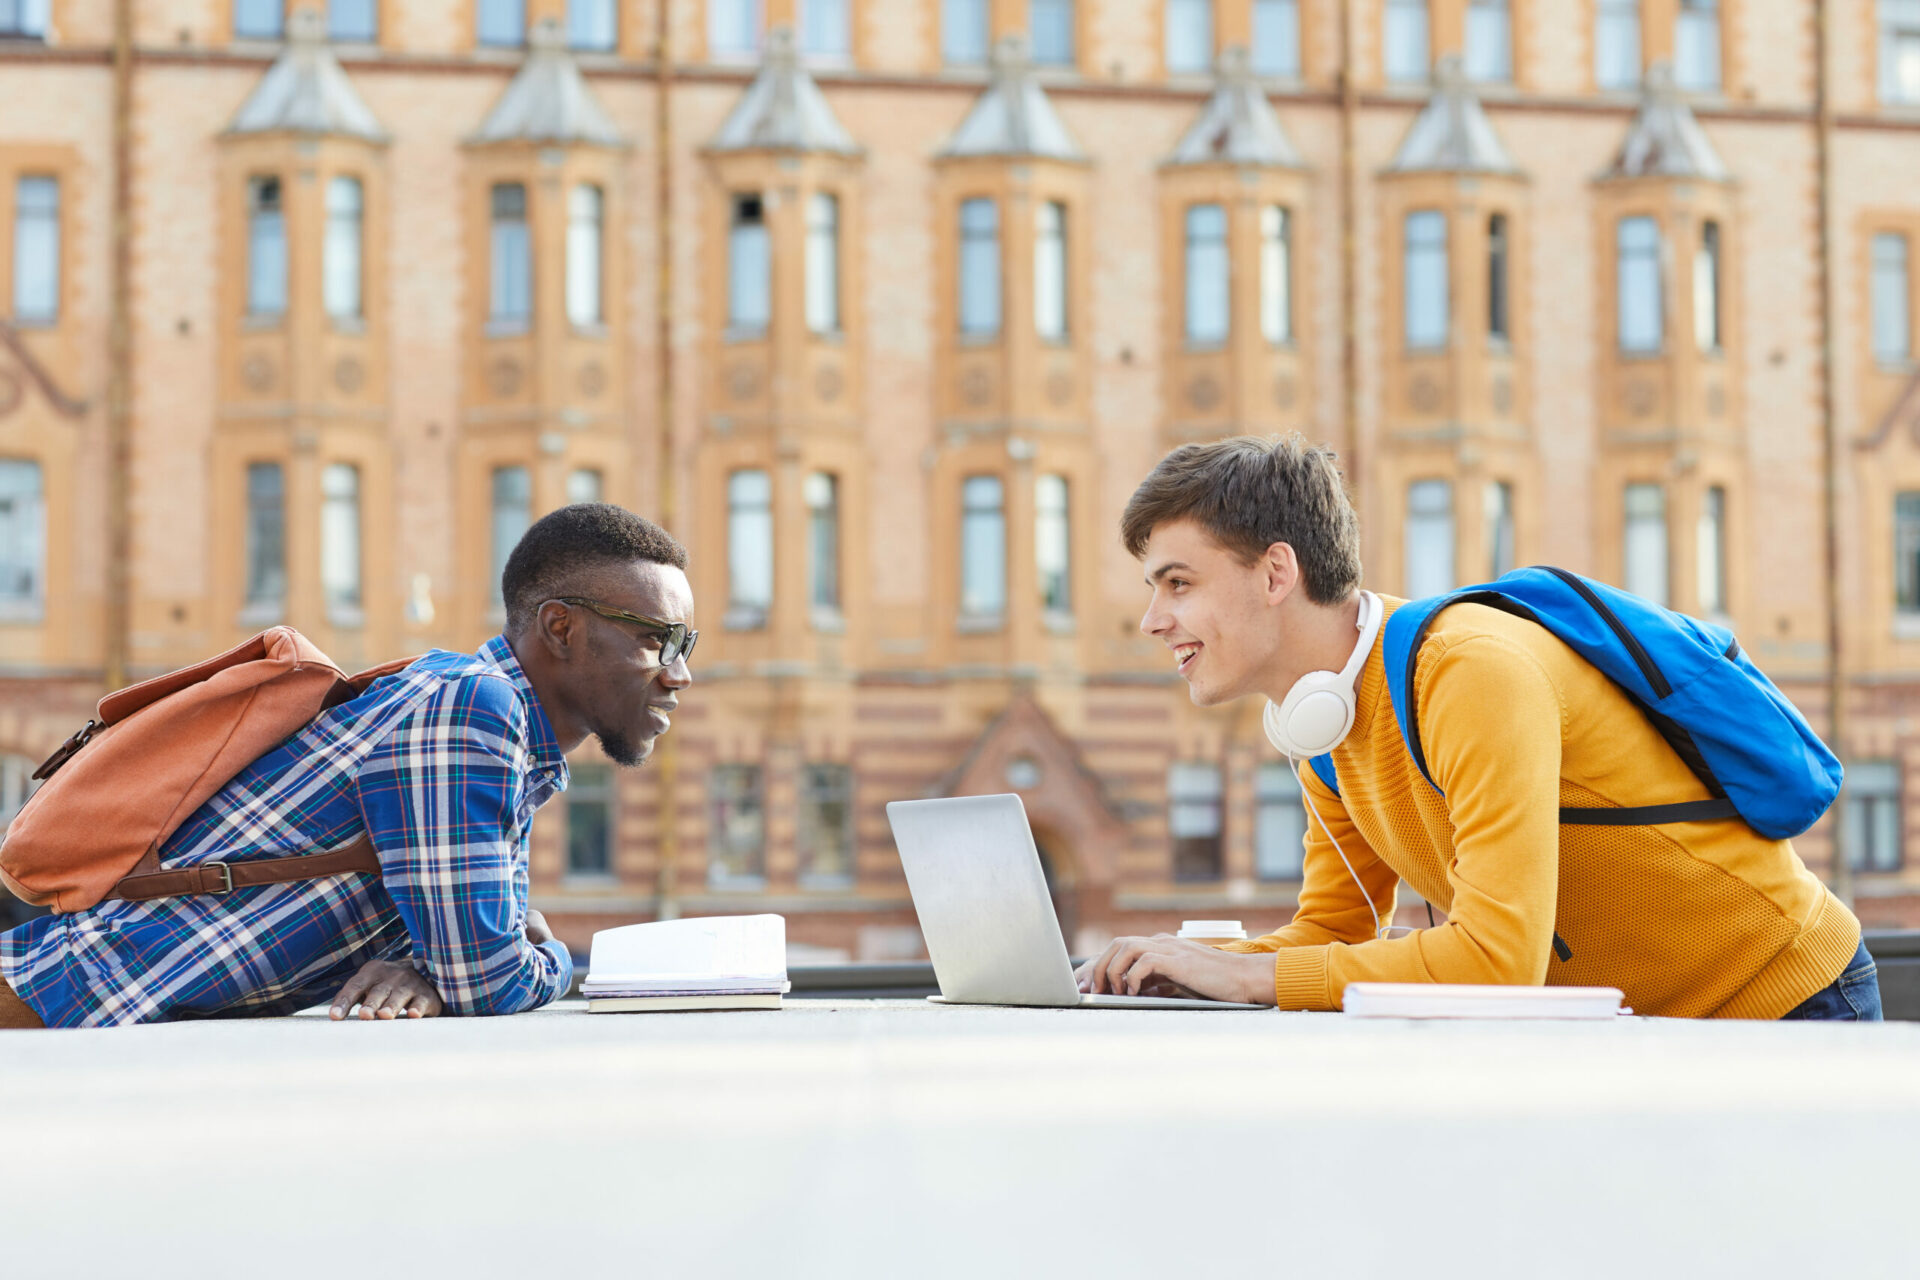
x=716 y=962
x=1454 y=1000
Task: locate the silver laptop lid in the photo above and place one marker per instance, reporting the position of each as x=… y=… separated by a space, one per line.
x=982 y=899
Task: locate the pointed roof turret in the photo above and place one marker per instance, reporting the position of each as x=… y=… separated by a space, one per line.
x=1013 y=117
x=306 y=91
x=548 y=100
x=783 y=109
x=1452 y=133
x=1665 y=141
x=1237 y=126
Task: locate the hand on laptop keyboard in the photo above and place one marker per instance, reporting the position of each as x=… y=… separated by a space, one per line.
x=1166 y=965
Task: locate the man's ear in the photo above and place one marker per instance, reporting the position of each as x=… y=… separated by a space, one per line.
x=1282 y=570
x=558 y=628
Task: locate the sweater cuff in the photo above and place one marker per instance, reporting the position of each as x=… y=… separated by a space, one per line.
x=1300 y=979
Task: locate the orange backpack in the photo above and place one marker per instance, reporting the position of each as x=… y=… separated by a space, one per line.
x=155 y=752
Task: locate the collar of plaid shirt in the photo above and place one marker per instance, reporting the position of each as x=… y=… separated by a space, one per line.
x=443 y=764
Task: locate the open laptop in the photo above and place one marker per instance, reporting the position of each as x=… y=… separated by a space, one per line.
x=991 y=932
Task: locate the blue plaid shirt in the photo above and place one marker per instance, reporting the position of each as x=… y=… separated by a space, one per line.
x=442 y=764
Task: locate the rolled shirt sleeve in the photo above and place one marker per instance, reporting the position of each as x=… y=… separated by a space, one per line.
x=448 y=801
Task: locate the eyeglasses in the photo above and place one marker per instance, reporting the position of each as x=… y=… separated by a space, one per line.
x=676 y=638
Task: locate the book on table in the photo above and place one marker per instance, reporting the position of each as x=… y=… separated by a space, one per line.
x=1455 y=1000
x=669 y=966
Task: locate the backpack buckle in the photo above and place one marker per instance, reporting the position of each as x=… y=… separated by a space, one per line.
x=226 y=877
x=67 y=750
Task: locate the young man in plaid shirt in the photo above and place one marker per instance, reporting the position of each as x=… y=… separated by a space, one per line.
x=442 y=765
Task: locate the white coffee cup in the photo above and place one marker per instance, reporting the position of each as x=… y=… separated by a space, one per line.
x=1212 y=932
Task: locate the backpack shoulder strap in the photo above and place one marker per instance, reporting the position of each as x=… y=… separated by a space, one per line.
x=1322 y=766
x=1400 y=645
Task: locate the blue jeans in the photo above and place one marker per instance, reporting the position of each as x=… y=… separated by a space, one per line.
x=1854 y=996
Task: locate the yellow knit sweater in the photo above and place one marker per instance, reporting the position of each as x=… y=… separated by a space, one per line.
x=1703 y=919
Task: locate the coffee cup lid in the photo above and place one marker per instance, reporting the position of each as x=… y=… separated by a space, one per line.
x=1210 y=929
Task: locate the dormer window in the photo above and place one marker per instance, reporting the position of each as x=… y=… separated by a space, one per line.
x=749 y=268
x=979 y=268
x=511 y=305
x=266 y=248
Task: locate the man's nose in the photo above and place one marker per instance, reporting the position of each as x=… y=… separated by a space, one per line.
x=676 y=674
x=1153 y=621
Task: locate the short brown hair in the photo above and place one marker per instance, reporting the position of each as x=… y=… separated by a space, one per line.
x=1250 y=492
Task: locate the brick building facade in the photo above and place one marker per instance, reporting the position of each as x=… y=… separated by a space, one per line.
x=884 y=307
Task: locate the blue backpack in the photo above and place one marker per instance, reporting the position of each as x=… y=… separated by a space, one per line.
x=1759 y=758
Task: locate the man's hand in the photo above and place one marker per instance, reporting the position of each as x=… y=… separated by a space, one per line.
x=1164 y=965
x=537 y=931
x=386 y=991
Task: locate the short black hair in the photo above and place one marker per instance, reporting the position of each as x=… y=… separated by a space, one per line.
x=565 y=547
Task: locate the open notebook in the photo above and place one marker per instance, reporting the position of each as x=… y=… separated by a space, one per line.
x=713 y=962
x=1451 y=1000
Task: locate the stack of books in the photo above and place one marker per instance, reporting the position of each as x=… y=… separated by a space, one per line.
x=717 y=962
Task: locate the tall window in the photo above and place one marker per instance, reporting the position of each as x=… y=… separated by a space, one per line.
x=266 y=248
x=1430 y=538
x=1646 y=542
x=1696 y=46
x=963 y=32
x=979 y=268
x=1276 y=274
x=1208 y=294
x=353 y=21
x=1050 y=271
x=983 y=548
x=502 y=23
x=1499 y=323
x=1489 y=41
x=749 y=548
x=1873 y=815
x=23 y=536
x=24 y=18
x=823 y=263
x=1637 y=284
x=593 y=24
x=749 y=267
x=1193 y=820
x=256 y=19
x=586 y=217
x=1406 y=40
x=1276 y=38
x=590 y=795
x=510 y=514
x=1706 y=289
x=16 y=786
x=1279 y=824
x=585 y=484
x=340 y=535
x=1616 y=43
x=1892 y=290
x=511 y=302
x=36 y=250
x=1900 y=50
x=266 y=546
x=1051 y=22
x=826 y=825
x=1906 y=553
x=1498 y=514
x=733 y=28
x=826 y=28
x=1189 y=36
x=341 y=256
x=1052 y=543
x=1425 y=301
x=822 y=493
x=1710 y=549
x=737 y=842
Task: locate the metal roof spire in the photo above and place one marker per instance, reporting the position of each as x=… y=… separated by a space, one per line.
x=1238 y=125
x=548 y=100
x=783 y=109
x=1013 y=117
x=1452 y=133
x=306 y=91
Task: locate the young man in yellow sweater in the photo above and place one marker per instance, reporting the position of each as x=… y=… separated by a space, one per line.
x=1251 y=552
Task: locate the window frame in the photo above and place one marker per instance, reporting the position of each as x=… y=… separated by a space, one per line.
x=1052 y=273
x=815 y=792
x=1053 y=529
x=346 y=608
x=264 y=584
x=980 y=246
x=1651 y=257
x=592 y=783
x=1421 y=340
x=1883 y=357
x=1863 y=809
x=1396 y=68
x=340 y=221
x=983 y=611
x=1072 y=15
x=1196 y=801
x=1662 y=521
x=29 y=607
x=1204 y=36
x=501 y=504
x=824 y=286
x=510 y=260
x=820 y=491
x=1289 y=69
x=586 y=257
x=1710 y=586
x=489 y=36
x=1500 y=280
x=1503 y=68
x=1269 y=804
x=1206 y=276
x=354 y=36
x=52 y=224
x=261 y=220
x=752 y=795
x=752 y=574
x=955 y=36
x=1716 y=50
x=583 y=26
x=1619 y=14
x=749 y=231
x=1417 y=521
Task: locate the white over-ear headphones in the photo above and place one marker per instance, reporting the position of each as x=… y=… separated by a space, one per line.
x=1317 y=712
